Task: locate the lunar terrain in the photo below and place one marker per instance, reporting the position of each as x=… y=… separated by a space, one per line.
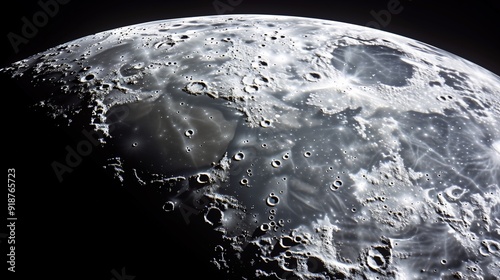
x=310 y=149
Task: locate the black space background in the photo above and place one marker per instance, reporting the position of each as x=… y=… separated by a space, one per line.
x=86 y=227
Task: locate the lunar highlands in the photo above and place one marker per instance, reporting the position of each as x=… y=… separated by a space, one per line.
x=302 y=148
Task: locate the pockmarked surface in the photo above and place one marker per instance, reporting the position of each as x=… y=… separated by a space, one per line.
x=316 y=149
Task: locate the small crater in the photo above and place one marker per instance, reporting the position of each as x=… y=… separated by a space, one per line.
x=214 y=216
x=265 y=123
x=244 y=182
x=251 y=89
x=336 y=185
x=239 y=156
x=378 y=258
x=272 y=200
x=169 y=206
x=261 y=80
x=312 y=76
x=196 y=88
x=276 y=163
x=203 y=178
x=87 y=78
x=189 y=133
x=287 y=242
x=454 y=193
x=265 y=227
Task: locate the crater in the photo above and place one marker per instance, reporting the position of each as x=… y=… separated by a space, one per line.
x=372 y=64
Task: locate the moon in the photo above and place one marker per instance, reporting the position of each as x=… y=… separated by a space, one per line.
x=313 y=149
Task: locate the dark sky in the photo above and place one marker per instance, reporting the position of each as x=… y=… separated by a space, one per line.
x=466 y=28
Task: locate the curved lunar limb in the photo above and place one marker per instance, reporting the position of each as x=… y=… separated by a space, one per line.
x=316 y=149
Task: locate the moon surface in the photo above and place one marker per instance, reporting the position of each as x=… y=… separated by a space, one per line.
x=314 y=149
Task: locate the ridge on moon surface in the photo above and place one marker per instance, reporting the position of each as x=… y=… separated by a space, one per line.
x=321 y=150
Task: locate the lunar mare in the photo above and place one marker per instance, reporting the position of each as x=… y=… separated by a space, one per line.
x=320 y=150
